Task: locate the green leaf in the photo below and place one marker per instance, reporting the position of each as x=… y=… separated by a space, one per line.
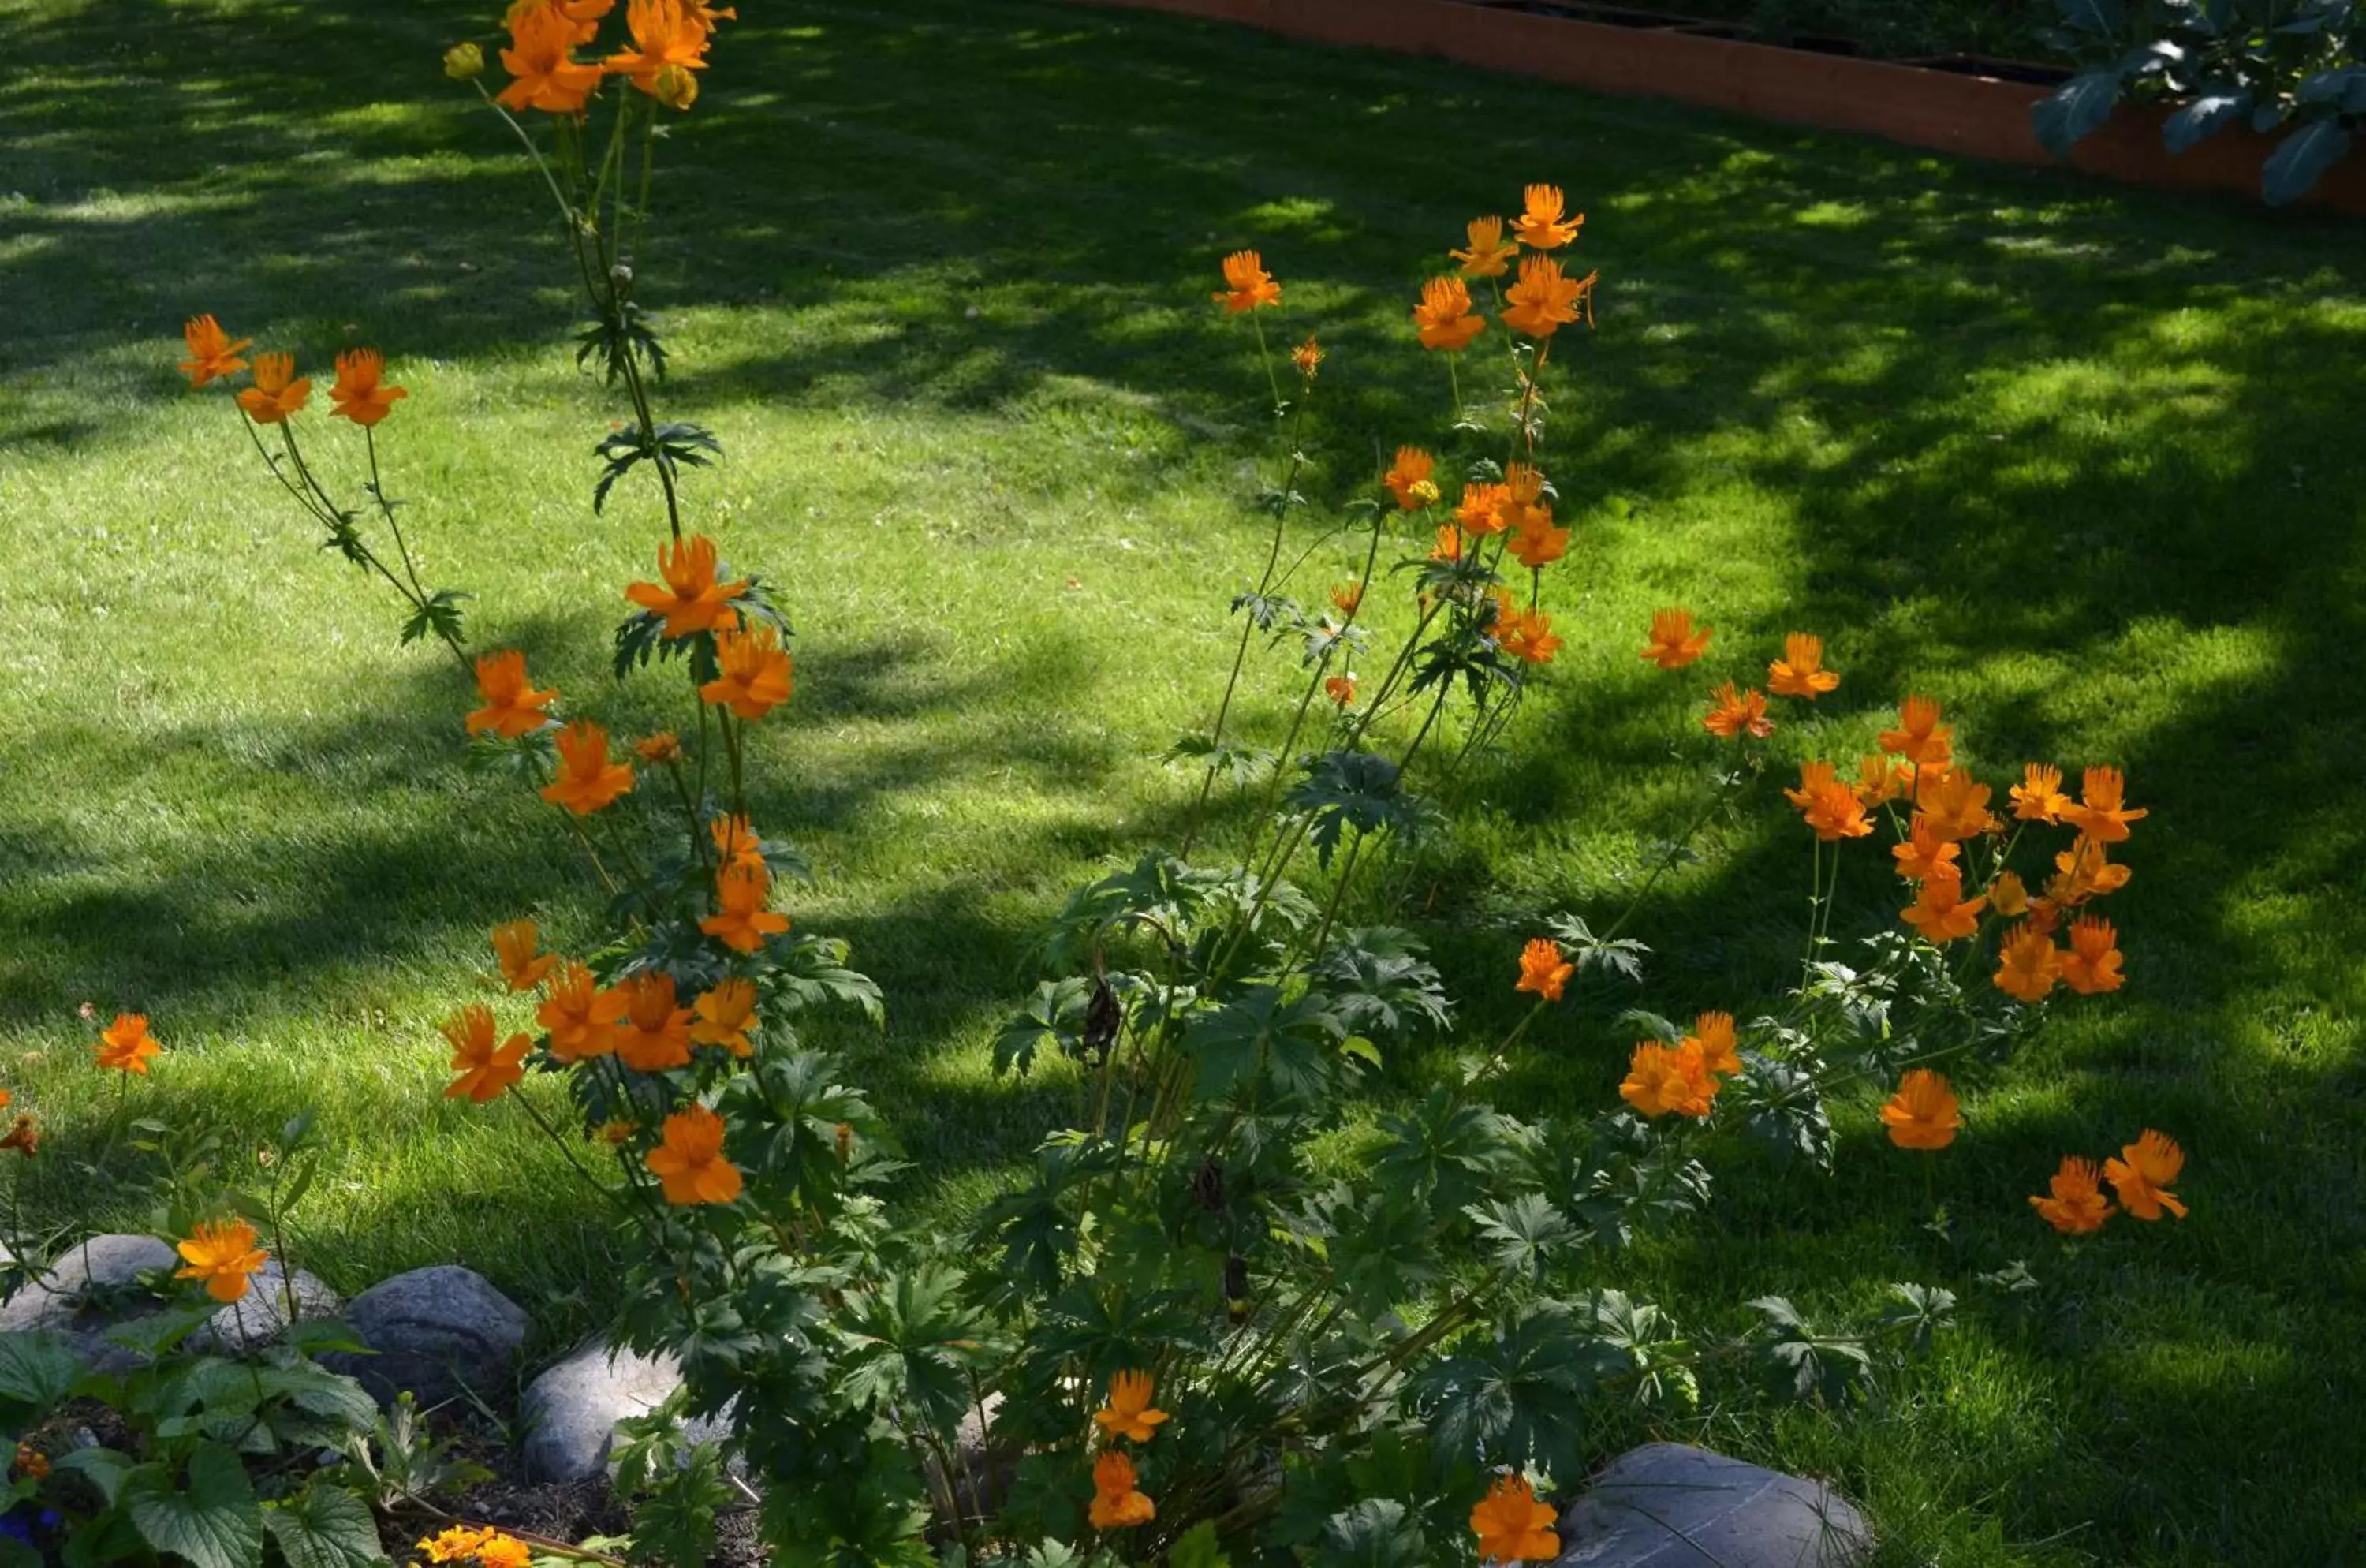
x=1349 y=789
x=1375 y=1532
x=103 y=1468
x=214 y=1524
x=35 y=1371
x=1524 y=1234
x=324 y=1525
x=15 y=1554
x=2203 y=118
x=1054 y=1003
x=1198 y=1548
x=2301 y=158
x=438 y=616
x=2075 y=109
x=2102 y=17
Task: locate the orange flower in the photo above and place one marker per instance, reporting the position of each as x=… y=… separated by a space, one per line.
x=582 y=16
x=1511 y=1526
x=511 y=706
x=541 y=57
x=1920 y=737
x=1116 y=1502
x=701 y=14
x=615 y=1133
x=756 y=676
x=1443 y=318
x=1879 y=779
x=2027 y=965
x=487 y=1546
x=359 y=394
x=222 y=1253
x=2142 y=1174
x=1308 y=357
x=1447 y=544
x=2077 y=1206
x=691 y=600
x=689 y=1163
x=1543 y=301
x=25 y=1137
x=2038 y=796
x=1246 y=284
x=1488 y=256
x=1940 y=910
x=662 y=36
x=1800 y=671
x=1922 y=1114
x=1829 y=806
x=2007 y=895
x=31 y=1462
x=1527 y=634
x=725 y=1014
x=1713 y=1036
x=2092 y=964
x=1538 y=543
x=125 y=1045
x=1540 y=227
x=1542 y=969
x=2085 y=871
x=1480 y=511
x=485 y=1068
x=278 y=390
x=586 y=780
x=654 y=1033
x=1956 y=805
x=1348 y=597
x=1662 y=1079
x=1128 y=1413
x=513 y=949
x=2100 y=814
x=665 y=746
x=736 y=843
x=578 y=1017
x=1341 y=690
x=1924 y=853
x=212 y=353
x=1408 y=479
x=1673 y=643
x=1732 y=712
x=741 y=923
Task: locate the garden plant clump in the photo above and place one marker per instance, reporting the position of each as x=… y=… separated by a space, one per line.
x=1225 y=1316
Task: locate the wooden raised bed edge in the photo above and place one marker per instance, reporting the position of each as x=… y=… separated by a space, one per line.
x=1957 y=112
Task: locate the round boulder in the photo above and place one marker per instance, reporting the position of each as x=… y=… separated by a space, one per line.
x=435 y=1331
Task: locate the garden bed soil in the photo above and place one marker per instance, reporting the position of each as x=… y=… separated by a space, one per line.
x=1955 y=104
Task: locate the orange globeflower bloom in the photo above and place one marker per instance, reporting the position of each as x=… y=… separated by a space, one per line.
x=222 y=1253
x=689 y=1163
x=1940 y=910
x=1308 y=357
x=1527 y=634
x=2086 y=872
x=662 y=37
x=2092 y=964
x=2142 y=1174
x=580 y=1018
x=725 y=1014
x=511 y=705
x=654 y=1033
x=126 y=1046
x=1447 y=545
x=1341 y=690
x=1880 y=780
x=1248 y=286
x=1538 y=543
x=2100 y=814
x=2007 y=896
x=1540 y=227
x=1732 y=712
x=699 y=14
x=741 y=923
x=212 y=353
x=1829 y=806
x=691 y=600
x=1543 y=970
x=1480 y=511
x=24 y=1137
x=736 y=843
x=587 y=780
x=1511 y=1526
x=2038 y=796
x=1956 y=805
x=582 y=16
x=757 y=676
x=1713 y=1036
x=1924 y=853
x=1117 y=1504
x=541 y=57
x=1921 y=738
x=1800 y=671
x=1543 y=301
x=360 y=395
x=1673 y=643
x=1408 y=479
x=1348 y=597
x=513 y=949
x=1922 y=1114
x=1524 y=490
x=665 y=746
x=277 y=391
x=485 y=1068
x=1128 y=1413
x=1663 y=1078
x=1442 y=319
x=2028 y=964
x=1488 y=256
x=2077 y=1206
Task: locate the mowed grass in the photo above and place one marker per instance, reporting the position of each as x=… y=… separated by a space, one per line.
x=2083 y=463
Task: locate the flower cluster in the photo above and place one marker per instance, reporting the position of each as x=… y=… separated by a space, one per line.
x=481 y=1545
x=1118 y=1500
x=2141 y=1174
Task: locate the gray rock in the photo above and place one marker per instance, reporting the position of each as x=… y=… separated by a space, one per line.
x=260 y=1316
x=435 y=1331
x=102 y=1264
x=572 y=1410
x=1672 y=1506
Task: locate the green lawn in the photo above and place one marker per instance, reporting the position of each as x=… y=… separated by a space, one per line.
x=2085 y=464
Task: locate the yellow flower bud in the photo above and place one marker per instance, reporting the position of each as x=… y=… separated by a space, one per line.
x=464 y=63
x=1424 y=492
x=674 y=87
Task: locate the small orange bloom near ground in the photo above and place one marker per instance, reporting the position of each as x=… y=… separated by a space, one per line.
x=1526 y=636
x=1341 y=690
x=1447 y=543
x=541 y=57
x=2092 y=964
x=25 y=1137
x=1537 y=544
x=277 y=391
x=1541 y=226
x=1128 y=1413
x=1713 y=1037
x=654 y=1033
x=1443 y=319
x=1408 y=478
x=1664 y=1078
x=1307 y=357
x=2100 y=813
x=1800 y=671
x=1940 y=910
x=1673 y=643
x=126 y=1046
x=2028 y=964
x=485 y=1069
x=691 y=600
x=736 y=843
x=1348 y=597
x=587 y=781
x=1920 y=737
x=1543 y=301
x=1117 y=1504
x=580 y=1018
x=360 y=393
x=1488 y=256
x=221 y=1253
x=2142 y=1174
x=212 y=353
x=1511 y=1526
x=2038 y=796
x=514 y=946
x=756 y=678
x=1248 y=286
x=1543 y=970
x=511 y=706
x=663 y=747
x=489 y=1547
x=1923 y=1114
x=726 y=1013
x=1732 y=713
x=741 y=923
x=689 y=1163
x=2076 y=1205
